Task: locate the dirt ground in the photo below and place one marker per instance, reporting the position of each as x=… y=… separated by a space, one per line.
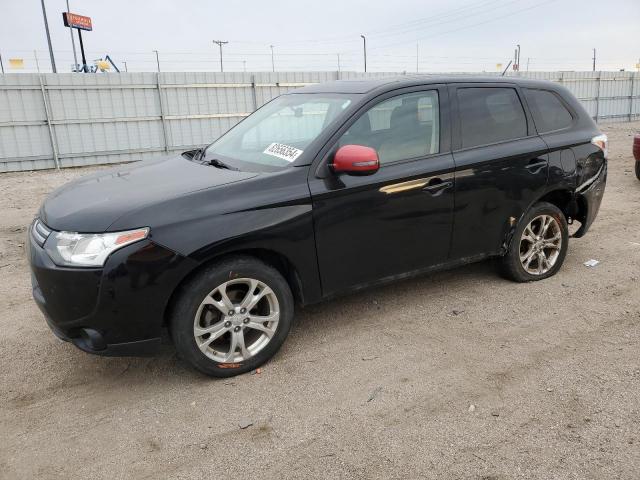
x=460 y=374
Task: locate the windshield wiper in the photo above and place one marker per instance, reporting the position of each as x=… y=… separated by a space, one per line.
x=214 y=162
x=198 y=154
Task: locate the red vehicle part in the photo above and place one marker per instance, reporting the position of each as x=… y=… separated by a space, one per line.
x=636 y=153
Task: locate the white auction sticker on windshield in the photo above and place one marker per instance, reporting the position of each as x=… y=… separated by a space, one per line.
x=283 y=151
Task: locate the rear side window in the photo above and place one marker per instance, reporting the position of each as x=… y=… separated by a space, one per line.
x=490 y=115
x=548 y=111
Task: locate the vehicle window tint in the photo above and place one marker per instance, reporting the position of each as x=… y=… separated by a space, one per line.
x=402 y=127
x=490 y=115
x=548 y=111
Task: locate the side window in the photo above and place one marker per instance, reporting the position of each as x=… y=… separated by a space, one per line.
x=490 y=115
x=548 y=111
x=402 y=127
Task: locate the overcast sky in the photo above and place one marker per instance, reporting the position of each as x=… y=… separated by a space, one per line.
x=465 y=35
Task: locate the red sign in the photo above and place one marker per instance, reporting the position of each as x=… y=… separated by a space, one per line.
x=73 y=20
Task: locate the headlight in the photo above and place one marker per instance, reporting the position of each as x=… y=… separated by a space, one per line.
x=88 y=249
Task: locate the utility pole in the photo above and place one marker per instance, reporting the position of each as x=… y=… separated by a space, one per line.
x=125 y=66
x=594 y=59
x=1 y=64
x=46 y=28
x=273 y=65
x=73 y=43
x=527 y=64
x=364 y=40
x=220 y=43
x=85 y=67
x=157 y=59
x=518 y=57
x=338 y=62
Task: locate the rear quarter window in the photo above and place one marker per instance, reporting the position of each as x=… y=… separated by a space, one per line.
x=490 y=115
x=548 y=112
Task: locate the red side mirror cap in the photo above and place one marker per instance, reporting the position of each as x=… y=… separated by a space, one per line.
x=356 y=160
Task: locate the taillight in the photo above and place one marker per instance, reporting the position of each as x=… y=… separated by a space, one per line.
x=602 y=142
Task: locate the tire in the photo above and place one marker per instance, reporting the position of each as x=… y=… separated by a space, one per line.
x=523 y=261
x=201 y=312
x=638 y=169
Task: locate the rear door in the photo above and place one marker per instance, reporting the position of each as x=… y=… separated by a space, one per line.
x=501 y=165
x=399 y=219
x=555 y=122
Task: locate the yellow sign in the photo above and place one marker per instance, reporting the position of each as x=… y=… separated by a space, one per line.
x=103 y=65
x=638 y=66
x=16 y=63
x=498 y=66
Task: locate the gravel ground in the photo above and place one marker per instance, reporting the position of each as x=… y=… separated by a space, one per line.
x=459 y=374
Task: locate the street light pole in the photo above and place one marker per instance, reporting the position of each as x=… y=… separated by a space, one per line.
x=157 y=59
x=73 y=43
x=220 y=43
x=364 y=40
x=273 y=65
x=594 y=59
x=46 y=28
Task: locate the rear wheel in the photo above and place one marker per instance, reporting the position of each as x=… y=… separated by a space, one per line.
x=539 y=245
x=232 y=317
x=638 y=169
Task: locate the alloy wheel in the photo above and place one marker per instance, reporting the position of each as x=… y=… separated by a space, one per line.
x=540 y=245
x=236 y=320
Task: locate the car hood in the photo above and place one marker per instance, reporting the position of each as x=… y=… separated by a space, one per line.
x=94 y=202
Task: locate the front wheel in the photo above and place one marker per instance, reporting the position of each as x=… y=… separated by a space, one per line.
x=638 y=169
x=539 y=245
x=232 y=317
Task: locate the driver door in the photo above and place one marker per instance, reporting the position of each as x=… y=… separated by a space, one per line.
x=398 y=220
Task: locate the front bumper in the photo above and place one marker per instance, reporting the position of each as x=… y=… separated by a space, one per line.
x=117 y=310
x=91 y=341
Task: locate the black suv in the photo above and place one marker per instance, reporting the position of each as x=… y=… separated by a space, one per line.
x=325 y=190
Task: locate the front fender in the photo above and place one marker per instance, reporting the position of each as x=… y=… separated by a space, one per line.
x=286 y=231
x=270 y=212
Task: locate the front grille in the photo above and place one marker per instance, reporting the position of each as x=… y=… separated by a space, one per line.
x=40 y=232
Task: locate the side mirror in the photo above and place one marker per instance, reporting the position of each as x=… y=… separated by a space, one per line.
x=356 y=160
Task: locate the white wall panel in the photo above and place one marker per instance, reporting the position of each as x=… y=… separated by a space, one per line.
x=112 y=118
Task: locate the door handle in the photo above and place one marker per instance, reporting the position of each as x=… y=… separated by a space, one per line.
x=536 y=165
x=436 y=186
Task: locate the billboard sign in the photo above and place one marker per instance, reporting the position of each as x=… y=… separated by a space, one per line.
x=73 y=20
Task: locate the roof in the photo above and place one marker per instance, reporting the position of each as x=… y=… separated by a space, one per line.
x=388 y=83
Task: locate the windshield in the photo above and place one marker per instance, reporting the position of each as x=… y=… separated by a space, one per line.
x=278 y=133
